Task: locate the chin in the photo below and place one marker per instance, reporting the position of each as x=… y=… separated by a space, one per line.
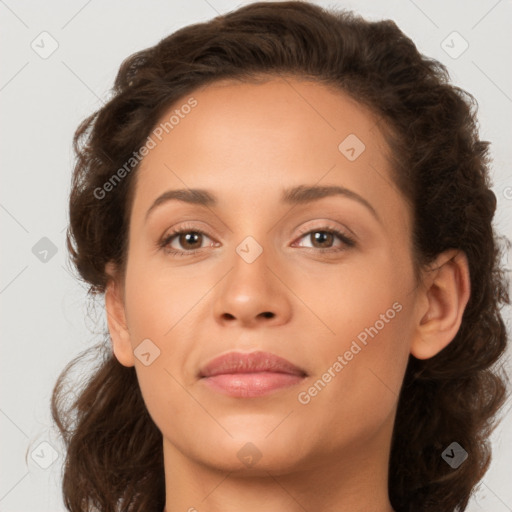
x=254 y=452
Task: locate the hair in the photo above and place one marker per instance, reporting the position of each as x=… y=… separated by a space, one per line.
x=114 y=459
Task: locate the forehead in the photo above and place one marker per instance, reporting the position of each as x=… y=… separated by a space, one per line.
x=257 y=138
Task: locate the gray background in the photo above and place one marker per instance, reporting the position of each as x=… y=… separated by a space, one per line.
x=45 y=317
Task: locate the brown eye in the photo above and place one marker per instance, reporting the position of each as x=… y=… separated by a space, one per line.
x=190 y=240
x=323 y=239
x=185 y=241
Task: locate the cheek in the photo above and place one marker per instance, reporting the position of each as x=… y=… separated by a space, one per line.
x=171 y=405
x=368 y=313
x=158 y=299
x=354 y=297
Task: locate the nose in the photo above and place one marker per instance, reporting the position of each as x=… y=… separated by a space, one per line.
x=253 y=294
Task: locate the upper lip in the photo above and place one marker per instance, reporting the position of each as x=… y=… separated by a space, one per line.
x=252 y=362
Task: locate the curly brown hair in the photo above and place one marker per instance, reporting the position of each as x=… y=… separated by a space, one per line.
x=114 y=456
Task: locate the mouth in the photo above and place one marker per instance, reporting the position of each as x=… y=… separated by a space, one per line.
x=246 y=375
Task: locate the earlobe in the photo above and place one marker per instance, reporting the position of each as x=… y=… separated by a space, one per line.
x=116 y=320
x=446 y=294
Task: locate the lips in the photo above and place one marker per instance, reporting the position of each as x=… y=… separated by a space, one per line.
x=253 y=362
x=247 y=375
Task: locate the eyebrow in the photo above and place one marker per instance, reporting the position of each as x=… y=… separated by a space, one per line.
x=296 y=195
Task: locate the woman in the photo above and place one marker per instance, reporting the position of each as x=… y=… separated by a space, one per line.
x=289 y=212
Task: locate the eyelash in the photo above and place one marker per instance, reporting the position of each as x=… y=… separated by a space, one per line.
x=164 y=243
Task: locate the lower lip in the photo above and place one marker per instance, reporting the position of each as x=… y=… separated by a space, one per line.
x=248 y=385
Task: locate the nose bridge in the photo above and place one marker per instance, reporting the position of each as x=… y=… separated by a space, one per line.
x=251 y=260
x=251 y=291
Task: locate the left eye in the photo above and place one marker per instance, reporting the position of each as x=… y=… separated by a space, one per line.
x=326 y=236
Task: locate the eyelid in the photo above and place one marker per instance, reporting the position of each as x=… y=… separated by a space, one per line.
x=179 y=229
x=324 y=224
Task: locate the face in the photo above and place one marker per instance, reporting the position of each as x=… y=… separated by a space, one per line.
x=323 y=279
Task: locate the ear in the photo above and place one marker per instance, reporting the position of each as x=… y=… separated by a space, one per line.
x=116 y=318
x=444 y=296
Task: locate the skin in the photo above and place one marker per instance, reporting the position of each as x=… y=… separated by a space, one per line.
x=245 y=142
